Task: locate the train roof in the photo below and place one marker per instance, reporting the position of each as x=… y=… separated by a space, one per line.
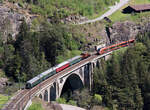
x=76 y=57
x=52 y=69
x=41 y=75
x=48 y=71
x=34 y=79
x=61 y=64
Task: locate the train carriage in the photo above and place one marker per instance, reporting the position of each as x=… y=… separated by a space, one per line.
x=85 y=55
x=62 y=66
x=115 y=47
x=74 y=60
x=48 y=73
x=41 y=77
x=34 y=81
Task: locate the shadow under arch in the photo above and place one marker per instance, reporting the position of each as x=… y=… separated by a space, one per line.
x=53 y=92
x=72 y=83
x=46 y=95
x=40 y=96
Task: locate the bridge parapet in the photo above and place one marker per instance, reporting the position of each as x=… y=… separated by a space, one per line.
x=55 y=84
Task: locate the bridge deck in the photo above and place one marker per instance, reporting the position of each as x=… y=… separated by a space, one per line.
x=25 y=95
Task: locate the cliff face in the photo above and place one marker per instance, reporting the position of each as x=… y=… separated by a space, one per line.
x=122 y=31
x=9 y=22
x=11 y=16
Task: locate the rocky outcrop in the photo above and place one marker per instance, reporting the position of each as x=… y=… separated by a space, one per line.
x=9 y=22
x=3 y=83
x=74 y=19
x=122 y=31
x=11 y=16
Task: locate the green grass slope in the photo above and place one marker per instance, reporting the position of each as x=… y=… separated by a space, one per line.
x=36 y=106
x=63 y=8
x=119 y=16
x=3 y=100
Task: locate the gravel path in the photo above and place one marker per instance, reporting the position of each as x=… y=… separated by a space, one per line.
x=70 y=107
x=108 y=13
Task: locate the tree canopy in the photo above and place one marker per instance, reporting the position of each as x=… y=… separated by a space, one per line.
x=124 y=81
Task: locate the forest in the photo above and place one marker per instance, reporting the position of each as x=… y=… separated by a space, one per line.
x=35 y=52
x=124 y=80
x=120 y=83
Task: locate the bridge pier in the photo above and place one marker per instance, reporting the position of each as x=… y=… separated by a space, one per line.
x=91 y=75
x=48 y=94
x=107 y=57
x=84 y=74
x=57 y=90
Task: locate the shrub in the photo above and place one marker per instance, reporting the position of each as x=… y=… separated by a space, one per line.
x=61 y=100
x=35 y=106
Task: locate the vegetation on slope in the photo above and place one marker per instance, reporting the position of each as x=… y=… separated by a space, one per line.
x=64 y=101
x=124 y=80
x=82 y=98
x=36 y=106
x=3 y=100
x=64 y=8
x=34 y=52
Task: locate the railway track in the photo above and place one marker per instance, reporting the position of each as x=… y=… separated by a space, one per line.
x=21 y=99
x=10 y=105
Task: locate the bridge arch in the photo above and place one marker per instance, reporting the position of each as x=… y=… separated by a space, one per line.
x=97 y=63
x=40 y=96
x=73 y=82
x=53 y=92
x=46 y=95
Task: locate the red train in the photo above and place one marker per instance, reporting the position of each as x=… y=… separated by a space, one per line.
x=85 y=55
x=114 y=47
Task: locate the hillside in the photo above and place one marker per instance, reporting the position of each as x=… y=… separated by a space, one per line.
x=30 y=41
x=35 y=36
x=64 y=8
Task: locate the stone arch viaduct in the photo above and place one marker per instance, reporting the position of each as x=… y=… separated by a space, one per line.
x=76 y=76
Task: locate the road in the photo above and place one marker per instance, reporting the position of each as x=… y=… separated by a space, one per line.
x=70 y=107
x=108 y=13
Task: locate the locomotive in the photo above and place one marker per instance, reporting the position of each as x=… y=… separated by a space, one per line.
x=54 y=70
